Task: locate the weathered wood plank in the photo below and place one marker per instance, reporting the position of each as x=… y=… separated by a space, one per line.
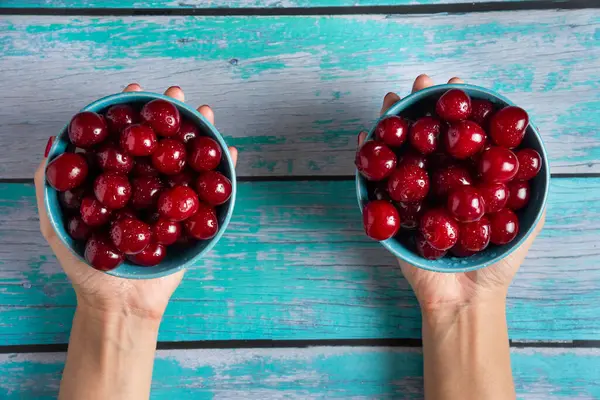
x=292 y=92
x=295 y=264
x=310 y=373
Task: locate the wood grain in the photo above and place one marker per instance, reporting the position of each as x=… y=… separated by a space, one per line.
x=310 y=374
x=295 y=264
x=292 y=92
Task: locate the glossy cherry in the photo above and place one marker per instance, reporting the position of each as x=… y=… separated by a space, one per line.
x=113 y=159
x=454 y=105
x=203 y=224
x=465 y=204
x=162 y=116
x=448 y=178
x=495 y=196
x=178 y=203
x=152 y=255
x=67 y=171
x=138 y=140
x=120 y=116
x=169 y=156
x=381 y=220
x=112 y=190
x=204 y=154
x=411 y=157
x=93 y=213
x=187 y=131
x=481 y=112
x=498 y=164
x=142 y=166
x=184 y=178
x=375 y=161
x=408 y=183
x=519 y=194
x=392 y=131
x=507 y=126
x=101 y=253
x=459 y=251
x=165 y=231
x=87 y=129
x=130 y=235
x=464 y=139
x=78 y=229
x=145 y=191
x=530 y=163
x=504 y=226
x=122 y=213
x=424 y=134
x=71 y=199
x=410 y=214
x=439 y=228
x=427 y=251
x=475 y=236
x=213 y=188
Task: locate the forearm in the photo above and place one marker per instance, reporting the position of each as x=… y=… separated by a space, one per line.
x=110 y=356
x=467 y=354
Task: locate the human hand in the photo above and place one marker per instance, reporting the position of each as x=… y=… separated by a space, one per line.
x=98 y=291
x=443 y=292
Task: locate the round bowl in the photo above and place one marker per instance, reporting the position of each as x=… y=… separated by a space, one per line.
x=174 y=261
x=403 y=248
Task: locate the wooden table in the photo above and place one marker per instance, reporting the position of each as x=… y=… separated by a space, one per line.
x=295 y=302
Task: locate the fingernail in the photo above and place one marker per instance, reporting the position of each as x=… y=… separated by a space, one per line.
x=48 y=146
x=176 y=87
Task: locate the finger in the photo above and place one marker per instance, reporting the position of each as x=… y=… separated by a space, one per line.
x=175 y=92
x=38 y=179
x=234 y=155
x=133 y=87
x=456 y=80
x=423 y=81
x=361 y=138
x=389 y=100
x=207 y=113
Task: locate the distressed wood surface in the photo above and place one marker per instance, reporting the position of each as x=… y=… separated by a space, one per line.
x=295 y=264
x=292 y=92
x=311 y=373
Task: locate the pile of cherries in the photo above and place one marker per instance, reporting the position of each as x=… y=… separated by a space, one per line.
x=452 y=176
x=136 y=181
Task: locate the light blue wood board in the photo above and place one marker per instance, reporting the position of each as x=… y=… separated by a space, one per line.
x=295 y=264
x=292 y=92
x=310 y=374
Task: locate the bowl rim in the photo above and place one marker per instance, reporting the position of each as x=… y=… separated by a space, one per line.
x=121 y=98
x=421 y=262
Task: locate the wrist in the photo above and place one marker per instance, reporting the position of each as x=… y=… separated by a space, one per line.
x=471 y=313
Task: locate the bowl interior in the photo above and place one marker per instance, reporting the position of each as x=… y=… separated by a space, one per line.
x=402 y=246
x=178 y=257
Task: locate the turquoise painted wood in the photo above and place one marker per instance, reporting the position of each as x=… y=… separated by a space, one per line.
x=310 y=374
x=295 y=264
x=292 y=92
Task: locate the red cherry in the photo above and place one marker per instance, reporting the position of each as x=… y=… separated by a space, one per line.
x=113 y=190
x=481 y=111
x=424 y=134
x=138 y=140
x=123 y=213
x=162 y=116
x=87 y=129
x=494 y=196
x=410 y=214
x=408 y=183
x=152 y=255
x=101 y=254
x=178 y=203
x=459 y=251
x=146 y=190
x=392 y=131
x=187 y=131
x=413 y=158
x=375 y=161
x=439 y=160
x=203 y=224
x=498 y=164
x=465 y=204
x=507 y=126
x=67 y=171
x=426 y=250
x=448 y=178
x=204 y=155
x=504 y=226
x=381 y=220
x=129 y=235
x=93 y=213
x=213 y=188
x=71 y=199
x=143 y=167
x=78 y=229
x=169 y=156
x=166 y=232
x=112 y=159
x=120 y=116
x=464 y=139
x=475 y=236
x=439 y=229
x=530 y=163
x=184 y=178
x=454 y=105
x=519 y=193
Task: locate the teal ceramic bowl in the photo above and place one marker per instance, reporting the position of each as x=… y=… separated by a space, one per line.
x=177 y=258
x=402 y=247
